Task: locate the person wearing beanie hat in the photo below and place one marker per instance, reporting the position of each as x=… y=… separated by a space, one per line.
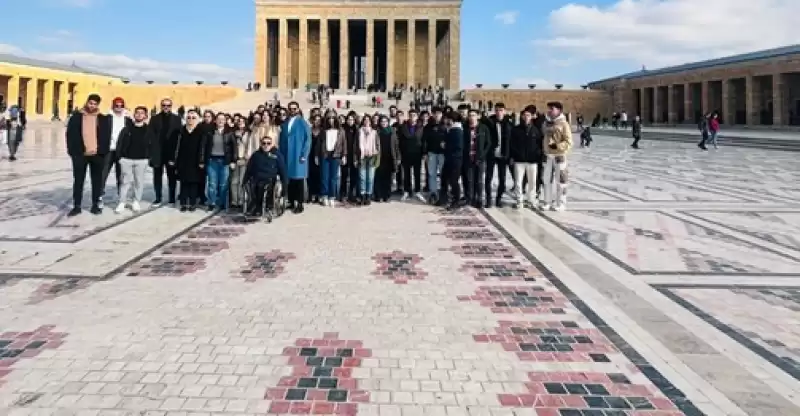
x=119 y=120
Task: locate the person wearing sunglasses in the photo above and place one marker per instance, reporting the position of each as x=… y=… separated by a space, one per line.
x=188 y=160
x=164 y=129
x=119 y=120
x=265 y=167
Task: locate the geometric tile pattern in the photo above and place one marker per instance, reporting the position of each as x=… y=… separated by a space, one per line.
x=212 y=232
x=506 y=271
x=589 y=393
x=561 y=341
x=264 y=265
x=15 y=346
x=167 y=266
x=781 y=228
x=479 y=234
x=771 y=333
x=519 y=299
x=322 y=380
x=56 y=288
x=482 y=250
x=652 y=242
x=194 y=248
x=398 y=267
x=461 y=222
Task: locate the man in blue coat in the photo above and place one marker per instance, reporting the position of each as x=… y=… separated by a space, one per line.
x=295 y=145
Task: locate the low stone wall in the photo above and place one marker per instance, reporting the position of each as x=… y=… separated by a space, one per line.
x=151 y=95
x=586 y=102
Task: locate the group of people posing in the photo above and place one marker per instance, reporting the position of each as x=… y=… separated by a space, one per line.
x=326 y=158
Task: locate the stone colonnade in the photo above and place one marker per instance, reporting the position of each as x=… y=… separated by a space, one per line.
x=745 y=99
x=359 y=47
x=40 y=95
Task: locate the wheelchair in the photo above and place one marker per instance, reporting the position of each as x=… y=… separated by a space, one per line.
x=273 y=203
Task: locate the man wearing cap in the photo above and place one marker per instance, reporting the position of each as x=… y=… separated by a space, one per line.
x=88 y=138
x=119 y=120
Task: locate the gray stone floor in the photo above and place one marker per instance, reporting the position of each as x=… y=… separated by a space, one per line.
x=667 y=288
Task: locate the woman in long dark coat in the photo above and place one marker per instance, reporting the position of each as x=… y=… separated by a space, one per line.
x=188 y=160
x=314 y=172
x=389 y=160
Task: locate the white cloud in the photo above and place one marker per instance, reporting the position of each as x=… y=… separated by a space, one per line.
x=137 y=68
x=507 y=17
x=658 y=33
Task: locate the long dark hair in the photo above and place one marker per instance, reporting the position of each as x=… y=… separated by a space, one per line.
x=331 y=122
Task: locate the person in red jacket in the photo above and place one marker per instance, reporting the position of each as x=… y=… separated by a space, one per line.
x=713 y=129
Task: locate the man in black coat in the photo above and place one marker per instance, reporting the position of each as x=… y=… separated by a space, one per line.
x=88 y=140
x=500 y=132
x=477 y=143
x=453 y=160
x=164 y=128
x=409 y=134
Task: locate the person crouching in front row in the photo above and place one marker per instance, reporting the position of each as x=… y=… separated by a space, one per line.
x=133 y=149
x=265 y=166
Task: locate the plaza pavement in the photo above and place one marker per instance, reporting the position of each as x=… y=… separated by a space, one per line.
x=669 y=287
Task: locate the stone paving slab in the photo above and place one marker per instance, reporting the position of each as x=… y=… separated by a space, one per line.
x=402 y=309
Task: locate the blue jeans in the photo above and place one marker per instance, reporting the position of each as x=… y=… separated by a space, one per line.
x=712 y=137
x=217 y=174
x=329 y=172
x=435 y=165
x=366 y=175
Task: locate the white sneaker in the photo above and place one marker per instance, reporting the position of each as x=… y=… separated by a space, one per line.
x=120 y=208
x=332 y=203
x=534 y=204
x=559 y=207
x=544 y=207
x=135 y=207
x=100 y=203
x=405 y=196
x=420 y=196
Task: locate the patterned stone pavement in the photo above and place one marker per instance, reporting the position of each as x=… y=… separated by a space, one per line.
x=662 y=291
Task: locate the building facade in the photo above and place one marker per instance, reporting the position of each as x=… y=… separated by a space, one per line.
x=587 y=103
x=45 y=89
x=357 y=43
x=759 y=88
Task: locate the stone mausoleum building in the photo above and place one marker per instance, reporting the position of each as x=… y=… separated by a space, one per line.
x=357 y=43
x=758 y=88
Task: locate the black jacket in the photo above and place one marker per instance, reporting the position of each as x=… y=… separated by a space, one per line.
x=266 y=166
x=351 y=143
x=161 y=152
x=454 y=143
x=483 y=142
x=505 y=130
x=526 y=144
x=410 y=144
x=124 y=141
x=74 y=135
x=433 y=135
x=229 y=141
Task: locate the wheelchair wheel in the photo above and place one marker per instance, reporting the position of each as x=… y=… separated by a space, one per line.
x=278 y=201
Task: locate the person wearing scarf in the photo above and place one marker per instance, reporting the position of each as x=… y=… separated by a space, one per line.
x=389 y=159
x=367 y=158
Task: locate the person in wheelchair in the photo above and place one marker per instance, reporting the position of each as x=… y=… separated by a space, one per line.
x=265 y=167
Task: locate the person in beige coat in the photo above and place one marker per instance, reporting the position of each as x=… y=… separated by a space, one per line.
x=557 y=144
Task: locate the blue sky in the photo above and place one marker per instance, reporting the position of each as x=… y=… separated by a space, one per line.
x=503 y=41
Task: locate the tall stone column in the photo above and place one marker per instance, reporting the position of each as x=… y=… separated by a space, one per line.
x=29 y=100
x=283 y=54
x=656 y=105
x=63 y=99
x=344 y=55
x=455 y=54
x=260 y=67
x=49 y=99
x=412 y=46
x=431 y=52
x=753 y=100
x=705 y=102
x=302 y=62
x=672 y=105
x=12 y=96
x=688 y=104
x=727 y=116
x=780 y=111
x=646 y=105
x=369 y=72
x=324 y=52
x=389 y=54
